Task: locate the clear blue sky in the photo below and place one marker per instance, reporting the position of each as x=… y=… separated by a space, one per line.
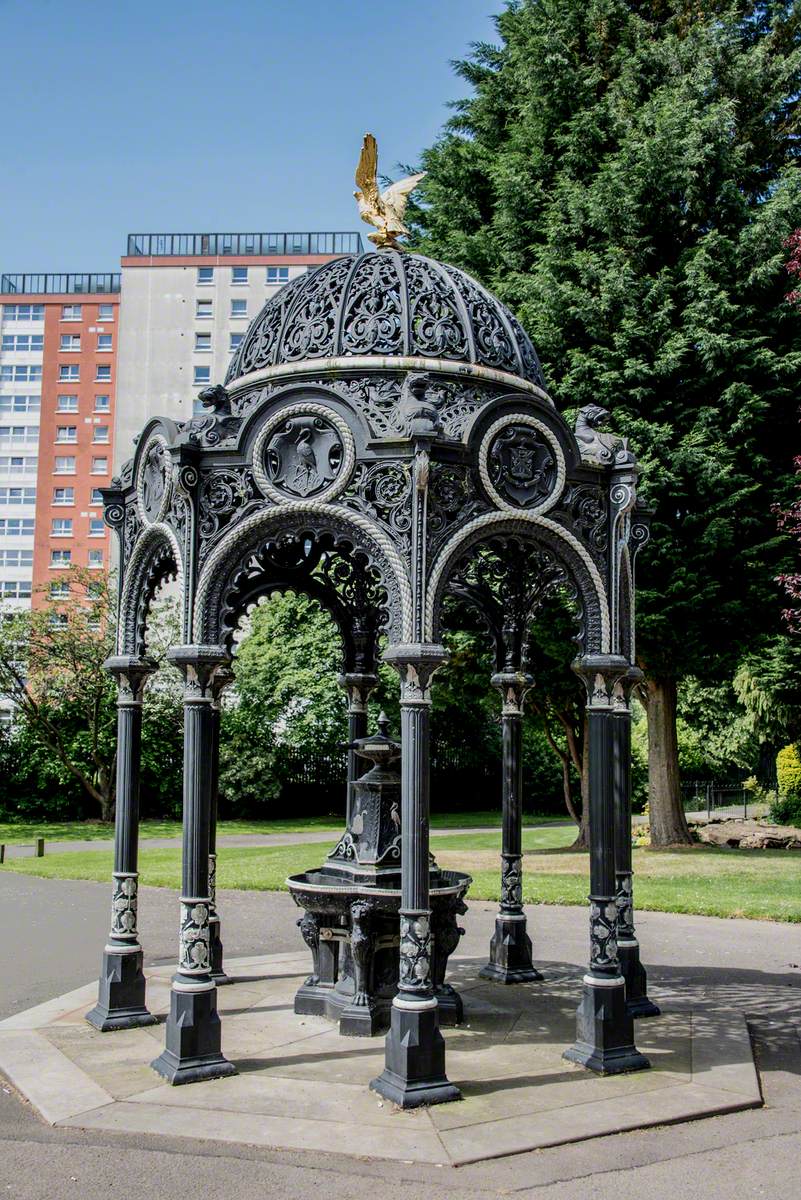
x=171 y=116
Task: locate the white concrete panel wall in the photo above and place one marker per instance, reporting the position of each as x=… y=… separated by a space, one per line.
x=156 y=358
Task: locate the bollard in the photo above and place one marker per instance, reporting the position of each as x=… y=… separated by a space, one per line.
x=40 y=847
x=2 y=852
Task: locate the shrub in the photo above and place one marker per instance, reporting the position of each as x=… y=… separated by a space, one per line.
x=788 y=771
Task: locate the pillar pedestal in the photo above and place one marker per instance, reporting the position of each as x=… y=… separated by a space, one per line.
x=193 y=1048
x=510 y=948
x=121 y=988
x=414 y=1071
x=604 y=1026
x=638 y=1003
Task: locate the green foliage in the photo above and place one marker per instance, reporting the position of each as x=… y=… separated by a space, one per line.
x=286 y=676
x=786 y=810
x=788 y=771
x=624 y=175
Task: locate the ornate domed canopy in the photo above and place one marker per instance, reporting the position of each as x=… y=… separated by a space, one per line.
x=386 y=303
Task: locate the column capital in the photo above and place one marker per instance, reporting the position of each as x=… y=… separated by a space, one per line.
x=609 y=679
x=205 y=670
x=513 y=686
x=416 y=663
x=131 y=674
x=358 y=685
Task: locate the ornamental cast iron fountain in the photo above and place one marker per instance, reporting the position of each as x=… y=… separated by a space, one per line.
x=351 y=918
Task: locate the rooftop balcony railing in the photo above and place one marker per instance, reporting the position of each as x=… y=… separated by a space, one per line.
x=186 y=245
x=78 y=285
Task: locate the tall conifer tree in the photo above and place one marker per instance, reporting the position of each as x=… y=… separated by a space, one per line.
x=624 y=175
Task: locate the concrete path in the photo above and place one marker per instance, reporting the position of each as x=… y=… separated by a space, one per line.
x=51 y=934
x=248 y=839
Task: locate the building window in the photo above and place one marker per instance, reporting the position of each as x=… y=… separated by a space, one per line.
x=205 y=274
x=69 y=373
x=99 y=466
x=97 y=527
x=15 y=589
x=67 y=404
x=18 y=465
x=23 y=343
x=70 y=312
x=64 y=465
x=58 y=620
x=103 y=373
x=239 y=308
x=17 y=495
x=21 y=374
x=236 y=340
x=203 y=309
x=70 y=341
x=239 y=274
x=202 y=375
x=18 y=435
x=66 y=433
x=104 y=341
x=102 y=403
x=278 y=274
x=63 y=496
x=60 y=558
x=101 y=433
x=23 y=312
x=20 y=404
x=105 y=312
x=16 y=558
x=202 y=341
x=59 y=590
x=95 y=497
x=61 y=527
x=16 y=526
x=95 y=559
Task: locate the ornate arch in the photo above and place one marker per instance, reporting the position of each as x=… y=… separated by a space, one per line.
x=225 y=573
x=541 y=531
x=155 y=558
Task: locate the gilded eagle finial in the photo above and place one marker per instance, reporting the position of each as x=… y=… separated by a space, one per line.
x=383 y=209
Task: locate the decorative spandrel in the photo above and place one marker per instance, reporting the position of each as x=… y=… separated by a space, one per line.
x=521 y=465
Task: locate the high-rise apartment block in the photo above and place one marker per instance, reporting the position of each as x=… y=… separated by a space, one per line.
x=86 y=360
x=57 y=391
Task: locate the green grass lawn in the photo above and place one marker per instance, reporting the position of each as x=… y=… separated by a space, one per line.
x=94 y=831
x=764 y=884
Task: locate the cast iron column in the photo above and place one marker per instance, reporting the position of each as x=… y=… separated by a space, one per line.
x=415 y=1050
x=605 y=1029
x=358 y=687
x=221 y=680
x=632 y=970
x=193 y=1048
x=121 y=991
x=510 y=948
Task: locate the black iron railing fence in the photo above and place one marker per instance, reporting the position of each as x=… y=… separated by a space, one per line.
x=711 y=797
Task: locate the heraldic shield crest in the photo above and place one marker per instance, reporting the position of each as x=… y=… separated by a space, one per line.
x=521 y=466
x=304 y=456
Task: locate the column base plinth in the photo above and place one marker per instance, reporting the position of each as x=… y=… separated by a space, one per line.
x=638 y=1003
x=216 y=954
x=415 y=1061
x=605 y=1031
x=510 y=953
x=193 y=1042
x=121 y=993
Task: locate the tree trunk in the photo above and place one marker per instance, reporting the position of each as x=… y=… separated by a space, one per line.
x=666 y=813
x=582 y=841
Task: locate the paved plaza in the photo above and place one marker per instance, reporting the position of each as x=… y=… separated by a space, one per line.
x=718 y=969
